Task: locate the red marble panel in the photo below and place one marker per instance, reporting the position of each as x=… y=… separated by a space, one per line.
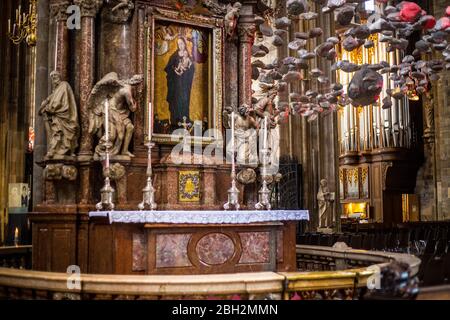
x=255 y=247
x=280 y=246
x=215 y=249
x=139 y=252
x=172 y=250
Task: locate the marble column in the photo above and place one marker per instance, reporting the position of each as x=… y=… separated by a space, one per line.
x=41 y=91
x=246 y=32
x=58 y=12
x=141 y=68
x=89 y=10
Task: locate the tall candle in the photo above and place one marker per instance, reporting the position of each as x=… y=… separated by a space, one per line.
x=232 y=137
x=107 y=131
x=56 y=49
x=265 y=133
x=150 y=121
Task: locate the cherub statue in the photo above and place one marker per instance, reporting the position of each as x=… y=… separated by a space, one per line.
x=61 y=118
x=119 y=94
x=231 y=19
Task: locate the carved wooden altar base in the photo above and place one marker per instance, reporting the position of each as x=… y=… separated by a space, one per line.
x=118 y=244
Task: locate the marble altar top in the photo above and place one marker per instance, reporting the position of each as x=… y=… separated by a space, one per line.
x=202 y=217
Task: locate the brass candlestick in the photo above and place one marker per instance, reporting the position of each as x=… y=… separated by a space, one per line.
x=107 y=191
x=264 y=192
x=148 y=193
x=233 y=192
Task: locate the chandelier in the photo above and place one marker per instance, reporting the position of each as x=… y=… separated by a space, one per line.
x=25 y=25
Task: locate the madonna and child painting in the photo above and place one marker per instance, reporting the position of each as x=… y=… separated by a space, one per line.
x=182 y=77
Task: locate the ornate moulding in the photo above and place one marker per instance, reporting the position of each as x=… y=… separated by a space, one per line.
x=202 y=217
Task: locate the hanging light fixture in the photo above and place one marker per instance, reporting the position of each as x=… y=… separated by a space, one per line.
x=25 y=26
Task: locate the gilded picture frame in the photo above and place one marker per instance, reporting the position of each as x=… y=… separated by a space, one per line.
x=215 y=71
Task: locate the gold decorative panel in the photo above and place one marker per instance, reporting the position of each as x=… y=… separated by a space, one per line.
x=341 y=183
x=189 y=186
x=353 y=183
x=365 y=182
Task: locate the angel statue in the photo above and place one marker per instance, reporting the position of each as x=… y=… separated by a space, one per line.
x=231 y=18
x=119 y=94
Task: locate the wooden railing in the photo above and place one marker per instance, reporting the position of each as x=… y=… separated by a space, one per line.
x=337 y=284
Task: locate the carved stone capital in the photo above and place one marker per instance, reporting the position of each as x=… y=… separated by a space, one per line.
x=89 y=8
x=246 y=32
x=58 y=9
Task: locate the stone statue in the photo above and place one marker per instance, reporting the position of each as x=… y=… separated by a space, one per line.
x=61 y=119
x=324 y=199
x=245 y=135
x=231 y=19
x=265 y=107
x=119 y=94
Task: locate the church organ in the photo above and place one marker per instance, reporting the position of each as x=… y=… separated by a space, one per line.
x=378 y=147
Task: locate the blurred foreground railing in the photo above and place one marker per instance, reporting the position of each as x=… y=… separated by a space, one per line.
x=338 y=283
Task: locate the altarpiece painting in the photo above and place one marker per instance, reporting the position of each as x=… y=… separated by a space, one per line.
x=185 y=75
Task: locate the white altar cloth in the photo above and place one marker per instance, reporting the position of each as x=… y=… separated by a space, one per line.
x=202 y=217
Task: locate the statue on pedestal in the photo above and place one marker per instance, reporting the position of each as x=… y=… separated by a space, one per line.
x=61 y=119
x=325 y=199
x=119 y=94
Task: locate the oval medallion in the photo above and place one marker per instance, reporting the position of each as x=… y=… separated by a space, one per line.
x=215 y=248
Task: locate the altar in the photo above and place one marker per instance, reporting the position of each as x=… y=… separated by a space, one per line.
x=179 y=122
x=193 y=242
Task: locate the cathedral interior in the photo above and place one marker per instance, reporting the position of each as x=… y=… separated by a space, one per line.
x=189 y=149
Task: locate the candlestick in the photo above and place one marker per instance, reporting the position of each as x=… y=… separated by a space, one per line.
x=107 y=191
x=233 y=192
x=148 y=193
x=264 y=192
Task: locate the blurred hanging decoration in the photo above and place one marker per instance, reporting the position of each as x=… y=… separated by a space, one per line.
x=25 y=26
